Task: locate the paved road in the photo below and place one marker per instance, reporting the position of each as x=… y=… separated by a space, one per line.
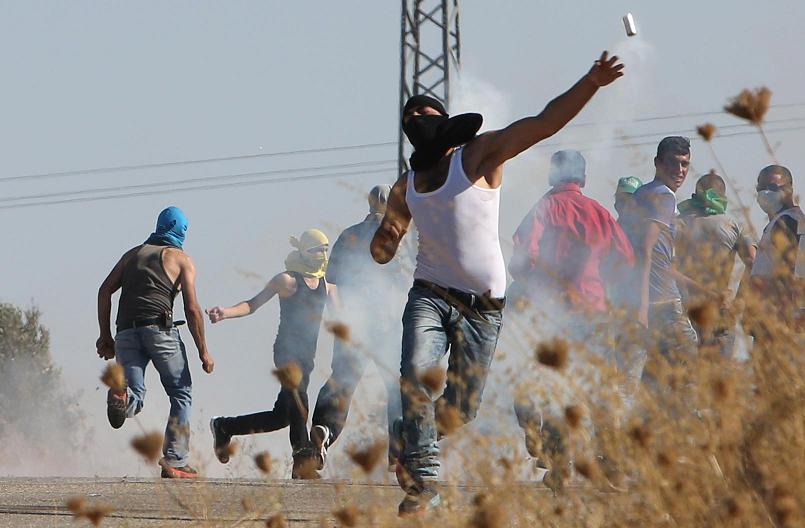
x=42 y=502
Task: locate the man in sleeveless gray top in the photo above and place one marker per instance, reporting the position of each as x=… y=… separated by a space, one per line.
x=453 y=195
x=777 y=280
x=150 y=275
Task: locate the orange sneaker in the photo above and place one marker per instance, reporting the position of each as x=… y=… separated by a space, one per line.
x=177 y=472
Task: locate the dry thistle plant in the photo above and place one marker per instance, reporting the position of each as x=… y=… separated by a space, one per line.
x=289 y=375
x=347 y=516
x=448 y=418
x=368 y=457
x=553 y=353
x=573 y=415
x=114 y=377
x=750 y=105
x=704 y=314
x=433 y=378
x=338 y=329
x=148 y=445
x=76 y=505
x=263 y=461
x=276 y=521
x=489 y=513
x=96 y=514
x=706 y=131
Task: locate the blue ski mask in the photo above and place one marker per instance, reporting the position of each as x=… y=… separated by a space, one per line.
x=171 y=228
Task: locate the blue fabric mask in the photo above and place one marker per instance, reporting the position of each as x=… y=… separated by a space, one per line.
x=171 y=228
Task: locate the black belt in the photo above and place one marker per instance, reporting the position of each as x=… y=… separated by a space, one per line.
x=158 y=321
x=458 y=298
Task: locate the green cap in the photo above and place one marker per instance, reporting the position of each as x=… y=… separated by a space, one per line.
x=628 y=184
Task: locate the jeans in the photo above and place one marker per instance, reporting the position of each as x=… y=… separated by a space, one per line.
x=291 y=407
x=349 y=362
x=672 y=340
x=430 y=326
x=134 y=348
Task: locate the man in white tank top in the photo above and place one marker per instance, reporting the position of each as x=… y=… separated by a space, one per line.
x=453 y=195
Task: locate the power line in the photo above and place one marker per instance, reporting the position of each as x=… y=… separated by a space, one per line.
x=191 y=180
x=134 y=167
x=693 y=138
x=198 y=188
x=123 y=168
x=670 y=116
x=626 y=137
x=309 y=177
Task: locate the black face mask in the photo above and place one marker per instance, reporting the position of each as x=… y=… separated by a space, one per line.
x=422 y=131
x=433 y=135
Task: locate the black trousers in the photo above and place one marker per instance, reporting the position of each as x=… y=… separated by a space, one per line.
x=291 y=407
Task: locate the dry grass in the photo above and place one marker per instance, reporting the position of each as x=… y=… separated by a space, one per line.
x=338 y=329
x=433 y=378
x=114 y=377
x=706 y=131
x=553 y=353
x=148 y=445
x=289 y=376
x=367 y=458
x=263 y=461
x=751 y=105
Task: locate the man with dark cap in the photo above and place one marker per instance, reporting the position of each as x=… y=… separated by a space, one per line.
x=567 y=250
x=452 y=194
x=150 y=275
x=708 y=242
x=371 y=298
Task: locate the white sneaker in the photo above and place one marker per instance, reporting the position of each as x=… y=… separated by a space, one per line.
x=320 y=436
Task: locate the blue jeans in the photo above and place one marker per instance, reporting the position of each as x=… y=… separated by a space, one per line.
x=430 y=326
x=134 y=349
x=672 y=341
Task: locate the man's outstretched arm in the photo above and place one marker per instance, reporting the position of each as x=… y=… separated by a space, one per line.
x=394 y=225
x=501 y=145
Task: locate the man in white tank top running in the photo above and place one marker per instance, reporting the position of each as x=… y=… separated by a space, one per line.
x=453 y=195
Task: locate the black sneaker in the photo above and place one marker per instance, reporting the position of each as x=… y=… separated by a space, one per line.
x=116 y=405
x=320 y=436
x=305 y=463
x=220 y=440
x=419 y=503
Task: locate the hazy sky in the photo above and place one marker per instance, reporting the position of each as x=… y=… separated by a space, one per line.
x=101 y=84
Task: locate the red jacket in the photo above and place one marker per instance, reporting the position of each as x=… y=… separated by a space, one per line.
x=566 y=243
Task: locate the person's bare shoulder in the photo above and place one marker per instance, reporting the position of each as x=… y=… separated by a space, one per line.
x=283 y=283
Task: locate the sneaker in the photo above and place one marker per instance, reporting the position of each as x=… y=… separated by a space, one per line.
x=220 y=440
x=117 y=403
x=320 y=436
x=419 y=503
x=305 y=463
x=177 y=472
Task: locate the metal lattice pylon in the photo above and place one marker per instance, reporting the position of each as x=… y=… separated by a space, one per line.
x=429 y=49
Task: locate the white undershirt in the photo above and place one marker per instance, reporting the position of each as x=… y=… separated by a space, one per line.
x=459 y=246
